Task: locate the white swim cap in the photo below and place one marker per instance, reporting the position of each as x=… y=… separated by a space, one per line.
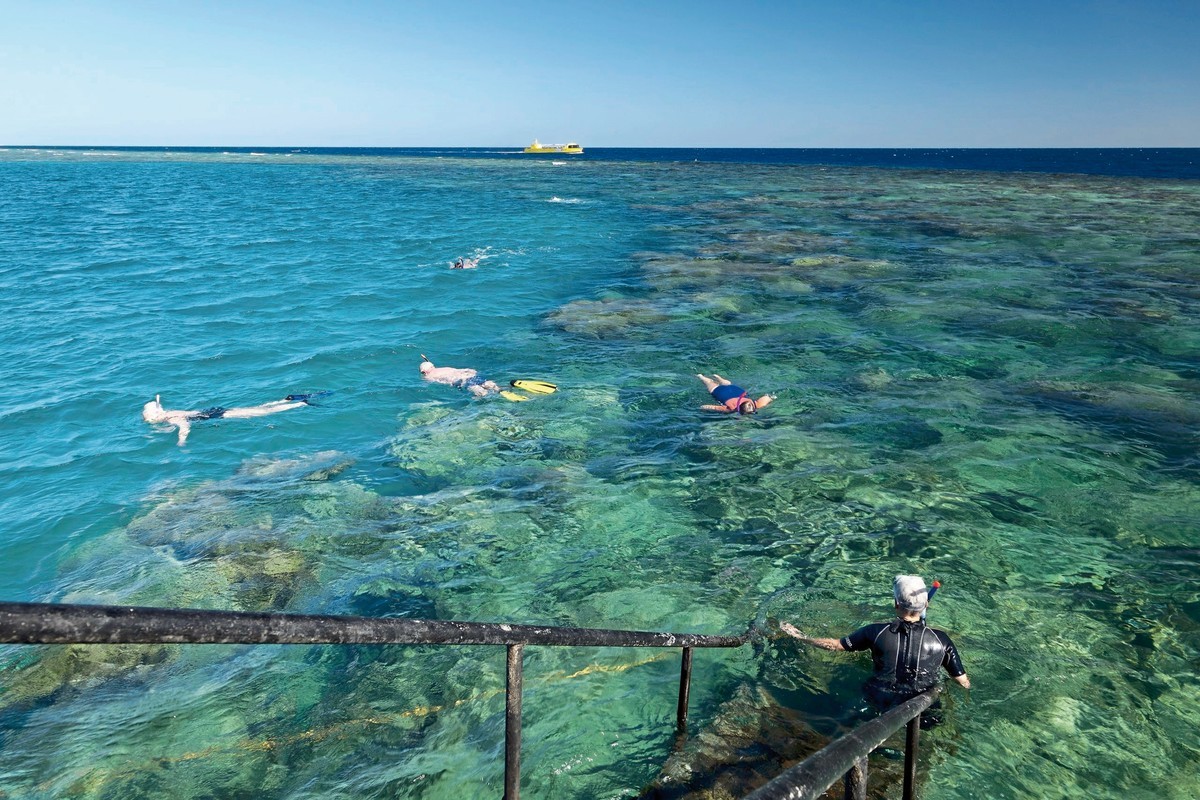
x=153 y=411
x=910 y=592
x=425 y=366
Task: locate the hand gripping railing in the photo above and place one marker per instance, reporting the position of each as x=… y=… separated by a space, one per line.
x=51 y=623
x=848 y=756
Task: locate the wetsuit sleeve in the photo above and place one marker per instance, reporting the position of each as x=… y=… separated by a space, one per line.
x=950 y=659
x=861 y=639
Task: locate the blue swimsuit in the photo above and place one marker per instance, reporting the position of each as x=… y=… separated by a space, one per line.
x=723 y=394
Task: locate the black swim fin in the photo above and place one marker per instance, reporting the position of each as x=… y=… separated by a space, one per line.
x=305 y=398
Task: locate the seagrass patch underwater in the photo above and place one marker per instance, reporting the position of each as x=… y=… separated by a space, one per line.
x=989 y=378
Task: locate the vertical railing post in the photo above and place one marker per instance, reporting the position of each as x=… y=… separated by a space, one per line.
x=856 y=780
x=910 y=757
x=685 y=687
x=512 y=723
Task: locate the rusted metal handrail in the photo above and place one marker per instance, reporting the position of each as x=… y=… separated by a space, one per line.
x=847 y=756
x=56 y=623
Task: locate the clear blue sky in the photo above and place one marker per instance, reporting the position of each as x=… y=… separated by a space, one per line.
x=745 y=73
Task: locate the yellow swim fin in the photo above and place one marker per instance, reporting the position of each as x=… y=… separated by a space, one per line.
x=535 y=387
x=516 y=398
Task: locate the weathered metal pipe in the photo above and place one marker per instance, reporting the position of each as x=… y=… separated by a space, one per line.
x=685 y=688
x=856 y=780
x=512 y=722
x=55 y=623
x=811 y=777
x=910 y=758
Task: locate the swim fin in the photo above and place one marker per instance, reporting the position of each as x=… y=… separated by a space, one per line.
x=535 y=387
x=516 y=398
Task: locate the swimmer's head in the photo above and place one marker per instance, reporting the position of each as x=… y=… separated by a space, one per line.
x=153 y=411
x=425 y=366
x=747 y=406
x=910 y=593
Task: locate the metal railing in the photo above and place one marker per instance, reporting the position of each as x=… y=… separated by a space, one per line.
x=53 y=623
x=847 y=757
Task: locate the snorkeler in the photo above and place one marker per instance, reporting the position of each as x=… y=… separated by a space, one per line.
x=468 y=379
x=731 y=397
x=908 y=656
x=465 y=263
x=154 y=413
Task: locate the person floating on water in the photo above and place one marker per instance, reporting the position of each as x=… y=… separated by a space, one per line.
x=468 y=379
x=465 y=263
x=731 y=397
x=154 y=413
x=907 y=653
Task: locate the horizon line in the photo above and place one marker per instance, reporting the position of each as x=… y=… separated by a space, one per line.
x=604 y=147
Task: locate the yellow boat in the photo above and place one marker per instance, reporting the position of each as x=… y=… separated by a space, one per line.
x=538 y=147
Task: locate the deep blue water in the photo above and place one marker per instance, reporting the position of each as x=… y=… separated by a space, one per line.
x=1174 y=163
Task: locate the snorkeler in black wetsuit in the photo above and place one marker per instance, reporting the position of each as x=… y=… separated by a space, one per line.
x=907 y=653
x=907 y=658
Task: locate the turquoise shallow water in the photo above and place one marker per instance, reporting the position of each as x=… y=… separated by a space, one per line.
x=988 y=378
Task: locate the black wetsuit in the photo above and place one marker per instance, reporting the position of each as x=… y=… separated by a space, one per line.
x=908 y=657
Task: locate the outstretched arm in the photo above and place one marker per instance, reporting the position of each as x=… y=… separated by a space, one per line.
x=764 y=401
x=816 y=641
x=184 y=427
x=722 y=409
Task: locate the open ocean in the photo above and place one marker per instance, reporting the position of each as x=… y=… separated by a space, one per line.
x=988 y=369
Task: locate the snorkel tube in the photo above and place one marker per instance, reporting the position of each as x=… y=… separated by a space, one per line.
x=932 y=591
